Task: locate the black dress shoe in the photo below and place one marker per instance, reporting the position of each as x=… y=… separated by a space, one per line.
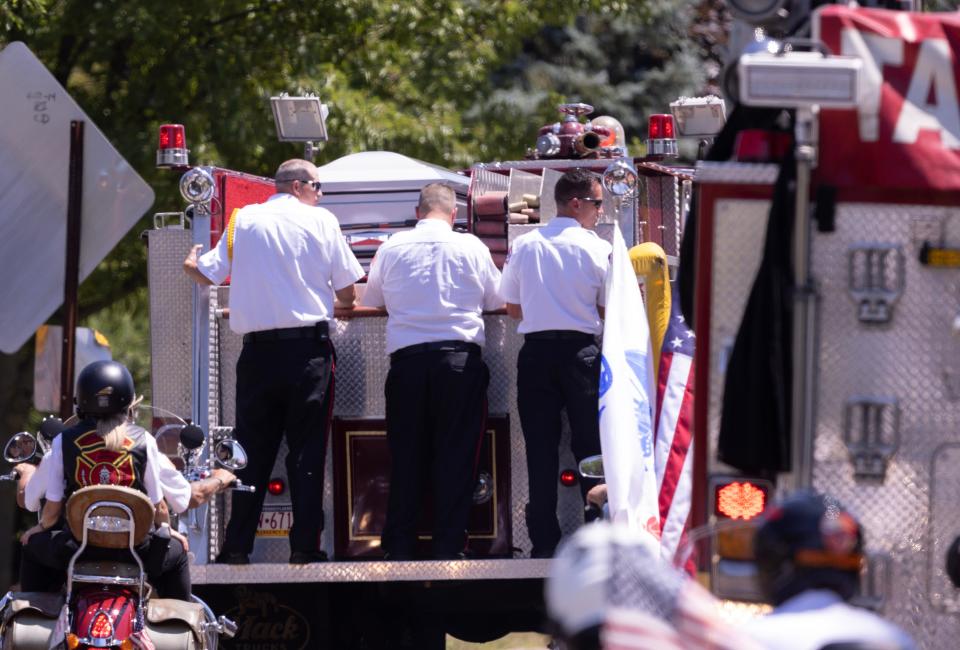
x=307 y=557
x=398 y=557
x=233 y=557
x=462 y=555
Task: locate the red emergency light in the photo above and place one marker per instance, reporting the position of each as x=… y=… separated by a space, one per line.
x=568 y=478
x=172 y=146
x=276 y=486
x=661 y=135
x=660 y=126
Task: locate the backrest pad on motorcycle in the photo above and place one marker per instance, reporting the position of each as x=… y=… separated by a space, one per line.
x=138 y=502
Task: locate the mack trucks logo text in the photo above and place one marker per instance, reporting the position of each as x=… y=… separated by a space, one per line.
x=97 y=465
x=905 y=132
x=264 y=623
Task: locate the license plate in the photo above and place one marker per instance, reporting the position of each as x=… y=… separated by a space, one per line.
x=275 y=521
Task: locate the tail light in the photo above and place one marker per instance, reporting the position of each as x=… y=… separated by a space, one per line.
x=661 y=135
x=738 y=500
x=172 y=146
x=736 y=505
x=101 y=627
x=568 y=478
x=276 y=486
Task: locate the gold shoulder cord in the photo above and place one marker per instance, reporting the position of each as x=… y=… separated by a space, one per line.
x=231 y=232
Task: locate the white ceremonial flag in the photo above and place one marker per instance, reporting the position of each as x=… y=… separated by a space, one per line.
x=627 y=399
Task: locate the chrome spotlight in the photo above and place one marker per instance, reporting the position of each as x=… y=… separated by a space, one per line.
x=196 y=186
x=620 y=179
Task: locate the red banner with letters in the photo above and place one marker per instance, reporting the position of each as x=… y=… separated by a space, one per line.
x=905 y=134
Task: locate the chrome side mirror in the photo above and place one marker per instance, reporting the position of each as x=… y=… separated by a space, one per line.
x=591 y=467
x=230 y=454
x=21 y=447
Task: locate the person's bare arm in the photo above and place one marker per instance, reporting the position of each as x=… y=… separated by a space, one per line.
x=602 y=311
x=190 y=266
x=514 y=311
x=25 y=472
x=205 y=489
x=161 y=513
x=48 y=518
x=597 y=495
x=346 y=297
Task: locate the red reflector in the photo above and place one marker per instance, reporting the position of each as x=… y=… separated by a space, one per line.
x=568 y=477
x=102 y=628
x=172 y=136
x=660 y=127
x=740 y=500
x=276 y=486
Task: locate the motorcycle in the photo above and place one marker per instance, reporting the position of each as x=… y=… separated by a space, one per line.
x=107 y=603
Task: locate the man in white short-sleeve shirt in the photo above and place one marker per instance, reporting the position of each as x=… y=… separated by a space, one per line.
x=289 y=265
x=435 y=284
x=553 y=282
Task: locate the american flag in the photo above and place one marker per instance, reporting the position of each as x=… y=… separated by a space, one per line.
x=673 y=457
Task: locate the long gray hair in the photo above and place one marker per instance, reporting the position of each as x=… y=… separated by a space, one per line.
x=116 y=428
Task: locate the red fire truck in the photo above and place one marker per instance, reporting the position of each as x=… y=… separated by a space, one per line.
x=358 y=600
x=872 y=378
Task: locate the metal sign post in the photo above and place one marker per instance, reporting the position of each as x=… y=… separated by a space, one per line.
x=72 y=270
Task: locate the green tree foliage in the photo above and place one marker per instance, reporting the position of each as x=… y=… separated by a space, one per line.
x=397 y=76
x=625 y=64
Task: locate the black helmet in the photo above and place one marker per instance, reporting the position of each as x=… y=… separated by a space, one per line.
x=104 y=388
x=808 y=541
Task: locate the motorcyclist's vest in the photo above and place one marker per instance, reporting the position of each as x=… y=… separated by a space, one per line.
x=87 y=461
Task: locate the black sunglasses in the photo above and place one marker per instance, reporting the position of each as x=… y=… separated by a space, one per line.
x=596 y=202
x=314 y=184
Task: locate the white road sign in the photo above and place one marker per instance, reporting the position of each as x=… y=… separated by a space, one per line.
x=35 y=116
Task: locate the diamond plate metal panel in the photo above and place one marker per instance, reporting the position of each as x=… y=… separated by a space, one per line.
x=171 y=316
x=740 y=227
x=910 y=515
x=944 y=525
x=903 y=359
x=371 y=571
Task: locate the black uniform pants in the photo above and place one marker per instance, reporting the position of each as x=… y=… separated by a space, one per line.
x=436 y=397
x=555 y=370
x=284 y=388
x=47 y=554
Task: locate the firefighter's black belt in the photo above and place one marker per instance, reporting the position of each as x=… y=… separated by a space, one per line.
x=559 y=335
x=435 y=346
x=320 y=331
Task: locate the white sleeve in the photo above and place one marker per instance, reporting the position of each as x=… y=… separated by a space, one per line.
x=36 y=486
x=606 y=268
x=54 y=483
x=490 y=279
x=345 y=269
x=373 y=293
x=215 y=264
x=510 y=279
x=161 y=481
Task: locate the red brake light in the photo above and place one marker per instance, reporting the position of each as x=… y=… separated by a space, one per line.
x=740 y=500
x=101 y=628
x=172 y=136
x=660 y=127
x=568 y=478
x=276 y=486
